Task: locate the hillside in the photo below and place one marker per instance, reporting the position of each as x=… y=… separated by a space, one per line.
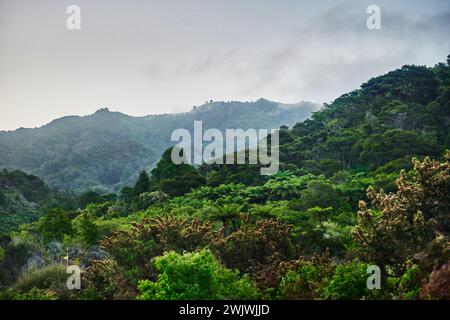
x=106 y=150
x=379 y=126
x=365 y=182
x=24 y=198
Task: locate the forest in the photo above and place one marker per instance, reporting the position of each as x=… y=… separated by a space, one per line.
x=365 y=181
x=105 y=151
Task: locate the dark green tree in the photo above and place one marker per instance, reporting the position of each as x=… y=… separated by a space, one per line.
x=126 y=194
x=88 y=198
x=55 y=225
x=143 y=184
x=88 y=230
x=175 y=179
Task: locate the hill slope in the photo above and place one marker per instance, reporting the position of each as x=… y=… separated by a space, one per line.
x=380 y=126
x=323 y=216
x=106 y=150
x=24 y=198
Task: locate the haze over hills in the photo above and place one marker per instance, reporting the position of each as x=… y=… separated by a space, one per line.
x=106 y=150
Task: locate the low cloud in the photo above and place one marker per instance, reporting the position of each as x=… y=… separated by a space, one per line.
x=333 y=54
x=336 y=52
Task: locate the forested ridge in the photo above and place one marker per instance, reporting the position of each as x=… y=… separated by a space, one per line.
x=364 y=181
x=106 y=151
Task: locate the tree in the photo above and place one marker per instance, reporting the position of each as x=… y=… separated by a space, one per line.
x=147 y=199
x=393 y=144
x=305 y=280
x=55 y=225
x=413 y=223
x=166 y=169
x=340 y=147
x=88 y=230
x=15 y=256
x=126 y=194
x=142 y=185
x=180 y=185
x=228 y=214
x=438 y=285
x=2 y=198
x=319 y=194
x=88 y=198
x=175 y=179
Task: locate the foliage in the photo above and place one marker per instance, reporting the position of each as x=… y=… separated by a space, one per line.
x=196 y=275
x=175 y=179
x=15 y=255
x=112 y=148
x=438 y=285
x=51 y=278
x=318 y=194
x=255 y=247
x=55 y=225
x=410 y=220
x=306 y=279
x=33 y=294
x=25 y=198
x=142 y=185
x=349 y=281
x=133 y=251
x=88 y=230
x=225 y=231
x=148 y=199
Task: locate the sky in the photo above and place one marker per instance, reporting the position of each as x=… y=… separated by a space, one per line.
x=150 y=57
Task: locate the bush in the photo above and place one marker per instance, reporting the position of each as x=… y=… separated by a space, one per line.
x=132 y=251
x=33 y=294
x=15 y=255
x=349 y=282
x=147 y=199
x=88 y=230
x=196 y=275
x=254 y=247
x=52 y=277
x=306 y=279
x=403 y=226
x=438 y=286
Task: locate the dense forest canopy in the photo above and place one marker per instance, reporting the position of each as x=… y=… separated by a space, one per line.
x=364 y=181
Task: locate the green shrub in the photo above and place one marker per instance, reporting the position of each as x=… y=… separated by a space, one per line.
x=33 y=294
x=255 y=247
x=88 y=230
x=196 y=275
x=349 y=282
x=52 y=277
x=132 y=251
x=306 y=280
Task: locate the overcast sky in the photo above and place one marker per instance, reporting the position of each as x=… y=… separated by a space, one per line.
x=147 y=57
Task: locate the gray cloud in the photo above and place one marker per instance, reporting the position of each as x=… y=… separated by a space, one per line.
x=336 y=52
x=188 y=68
x=147 y=57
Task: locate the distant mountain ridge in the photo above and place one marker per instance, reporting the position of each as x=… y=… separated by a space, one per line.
x=106 y=150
